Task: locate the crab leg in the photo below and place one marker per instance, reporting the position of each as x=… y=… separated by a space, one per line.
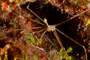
x=28 y=18
x=27 y=28
x=70 y=18
x=74 y=42
x=58 y=39
x=41 y=30
x=34 y=13
x=42 y=35
x=60 y=43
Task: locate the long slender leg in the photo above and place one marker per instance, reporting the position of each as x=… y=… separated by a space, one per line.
x=28 y=18
x=36 y=21
x=42 y=35
x=27 y=28
x=34 y=13
x=70 y=18
x=41 y=30
x=59 y=41
x=74 y=42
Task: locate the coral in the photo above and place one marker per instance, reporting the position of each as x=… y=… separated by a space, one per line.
x=22 y=25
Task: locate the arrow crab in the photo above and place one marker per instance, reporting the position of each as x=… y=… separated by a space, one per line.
x=45 y=27
x=52 y=28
